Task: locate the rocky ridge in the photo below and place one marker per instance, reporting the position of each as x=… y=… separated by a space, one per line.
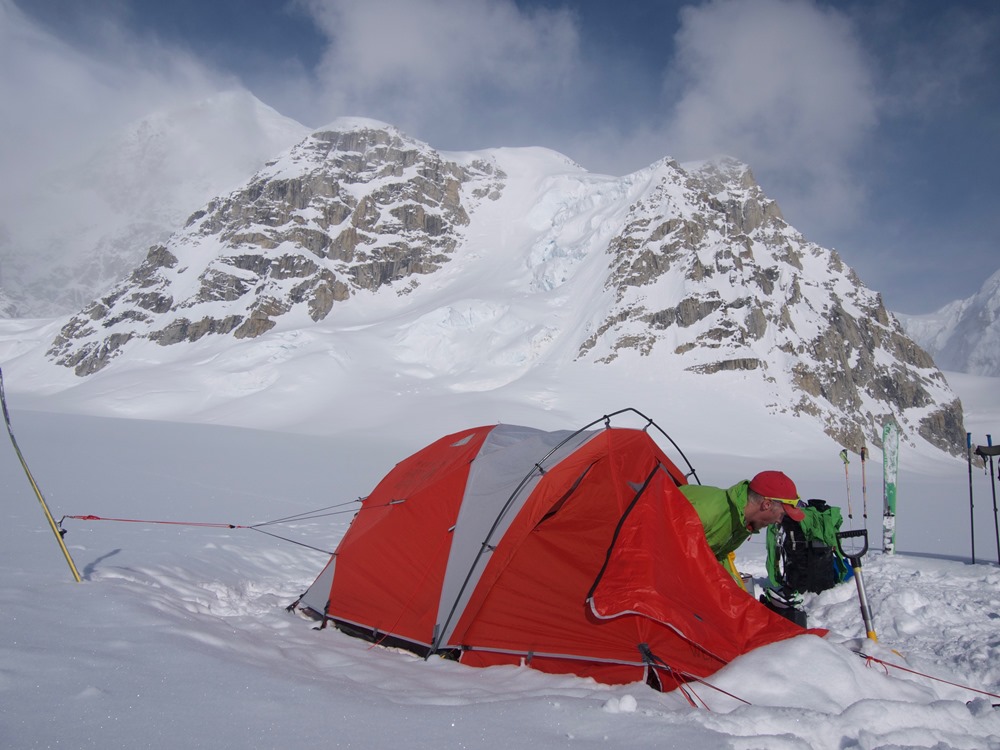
x=342 y=212
x=701 y=272
x=707 y=266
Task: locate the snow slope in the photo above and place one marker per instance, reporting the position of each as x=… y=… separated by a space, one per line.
x=178 y=636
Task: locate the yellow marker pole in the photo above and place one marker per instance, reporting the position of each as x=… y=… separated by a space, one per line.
x=34 y=486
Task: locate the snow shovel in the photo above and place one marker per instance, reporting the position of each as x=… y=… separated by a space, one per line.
x=855 y=558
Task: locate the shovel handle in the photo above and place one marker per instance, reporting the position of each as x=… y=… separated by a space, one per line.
x=849 y=535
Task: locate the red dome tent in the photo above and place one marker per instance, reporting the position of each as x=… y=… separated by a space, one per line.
x=573 y=552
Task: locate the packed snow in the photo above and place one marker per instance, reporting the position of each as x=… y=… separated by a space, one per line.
x=178 y=635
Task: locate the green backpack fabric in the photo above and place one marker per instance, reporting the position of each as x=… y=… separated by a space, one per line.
x=804 y=556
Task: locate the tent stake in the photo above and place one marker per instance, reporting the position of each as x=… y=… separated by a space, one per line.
x=34 y=486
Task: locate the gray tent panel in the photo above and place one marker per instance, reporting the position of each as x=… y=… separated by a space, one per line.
x=317 y=596
x=494 y=495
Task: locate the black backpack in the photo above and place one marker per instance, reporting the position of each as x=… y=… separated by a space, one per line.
x=803 y=556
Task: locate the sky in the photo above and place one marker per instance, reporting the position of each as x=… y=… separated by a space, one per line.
x=876 y=126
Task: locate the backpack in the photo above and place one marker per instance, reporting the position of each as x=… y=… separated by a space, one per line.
x=804 y=556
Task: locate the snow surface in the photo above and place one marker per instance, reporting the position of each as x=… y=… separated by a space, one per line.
x=178 y=635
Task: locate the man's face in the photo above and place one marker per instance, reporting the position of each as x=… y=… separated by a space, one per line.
x=768 y=511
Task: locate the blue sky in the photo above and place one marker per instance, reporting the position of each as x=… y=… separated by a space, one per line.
x=875 y=125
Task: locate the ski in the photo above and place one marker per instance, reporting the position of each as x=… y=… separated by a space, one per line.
x=890 y=470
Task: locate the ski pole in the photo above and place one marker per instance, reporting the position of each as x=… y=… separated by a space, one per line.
x=972 y=516
x=34 y=486
x=989 y=452
x=847 y=479
x=993 y=484
x=864 y=485
x=855 y=558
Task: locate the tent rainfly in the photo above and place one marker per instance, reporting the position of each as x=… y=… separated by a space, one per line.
x=571 y=552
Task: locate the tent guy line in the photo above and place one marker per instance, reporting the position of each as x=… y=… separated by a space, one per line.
x=869 y=660
x=203 y=524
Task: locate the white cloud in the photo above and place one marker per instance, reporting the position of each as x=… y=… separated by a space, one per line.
x=783 y=85
x=60 y=100
x=444 y=67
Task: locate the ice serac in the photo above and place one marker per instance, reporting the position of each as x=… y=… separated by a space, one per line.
x=690 y=268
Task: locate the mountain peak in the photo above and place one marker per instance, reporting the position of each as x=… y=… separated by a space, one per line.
x=345 y=124
x=511 y=260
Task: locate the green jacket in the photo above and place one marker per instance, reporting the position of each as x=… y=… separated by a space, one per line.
x=721 y=514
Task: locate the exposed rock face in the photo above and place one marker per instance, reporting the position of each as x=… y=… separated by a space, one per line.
x=707 y=266
x=357 y=209
x=700 y=272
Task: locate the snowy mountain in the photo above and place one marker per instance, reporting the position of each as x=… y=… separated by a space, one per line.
x=76 y=232
x=466 y=271
x=963 y=336
x=372 y=294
